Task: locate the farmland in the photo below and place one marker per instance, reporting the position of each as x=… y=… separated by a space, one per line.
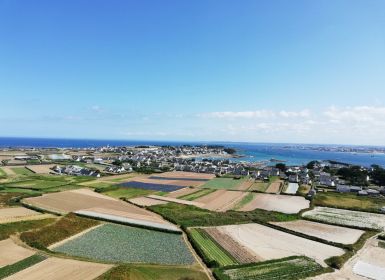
x=291 y=268
x=41 y=169
x=21 y=171
x=346 y=218
x=212 y=252
x=221 y=200
x=292 y=188
x=61 y=269
x=280 y=203
x=2 y=173
x=349 y=201
x=267 y=243
x=20 y=265
x=11 y=228
x=36 y=184
x=119 y=243
x=275 y=187
x=152 y=186
x=331 y=233
x=11 y=253
x=153 y=272
x=15 y=214
x=259 y=186
x=146 y=201
x=196 y=194
x=127 y=192
x=182 y=192
x=190 y=216
x=223 y=183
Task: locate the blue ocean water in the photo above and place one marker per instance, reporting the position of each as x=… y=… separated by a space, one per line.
x=251 y=151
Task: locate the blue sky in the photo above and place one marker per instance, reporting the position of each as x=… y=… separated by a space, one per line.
x=256 y=71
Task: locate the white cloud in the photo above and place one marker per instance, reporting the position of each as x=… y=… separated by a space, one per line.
x=259 y=114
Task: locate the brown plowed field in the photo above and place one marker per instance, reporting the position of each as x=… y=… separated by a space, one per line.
x=187 y=175
x=145 y=201
x=245 y=185
x=41 y=169
x=274 y=187
x=221 y=200
x=61 y=269
x=181 y=192
x=239 y=252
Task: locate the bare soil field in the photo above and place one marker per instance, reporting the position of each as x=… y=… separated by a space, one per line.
x=85 y=199
x=11 y=253
x=369 y=254
x=327 y=232
x=15 y=214
x=274 y=187
x=246 y=185
x=181 y=192
x=221 y=200
x=267 y=243
x=41 y=169
x=145 y=201
x=239 y=252
x=175 y=200
x=280 y=203
x=62 y=269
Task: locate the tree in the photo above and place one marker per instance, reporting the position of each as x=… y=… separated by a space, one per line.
x=281 y=166
x=230 y=151
x=311 y=164
x=378 y=175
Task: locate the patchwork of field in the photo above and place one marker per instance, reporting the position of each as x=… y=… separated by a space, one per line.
x=280 y=203
x=245 y=185
x=39 y=184
x=291 y=268
x=197 y=194
x=61 y=269
x=346 y=217
x=239 y=252
x=21 y=171
x=221 y=200
x=8 y=170
x=224 y=183
x=327 y=232
x=119 y=243
x=267 y=243
x=181 y=175
x=126 y=193
x=210 y=249
x=95 y=204
x=175 y=200
x=41 y=169
x=15 y=214
x=259 y=186
x=11 y=253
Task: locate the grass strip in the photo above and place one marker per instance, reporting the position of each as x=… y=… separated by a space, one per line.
x=211 y=252
x=245 y=200
x=65 y=227
x=21 y=265
x=11 y=228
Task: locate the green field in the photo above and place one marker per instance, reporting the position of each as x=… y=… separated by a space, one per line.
x=190 y=216
x=291 y=268
x=348 y=201
x=210 y=250
x=2 y=173
x=20 y=191
x=20 y=265
x=152 y=272
x=11 y=228
x=223 y=183
x=36 y=184
x=22 y=171
x=124 y=244
x=128 y=192
x=197 y=194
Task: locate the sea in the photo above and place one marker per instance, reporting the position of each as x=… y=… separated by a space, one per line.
x=290 y=154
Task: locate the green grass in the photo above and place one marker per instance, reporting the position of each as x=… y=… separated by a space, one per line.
x=213 y=254
x=36 y=184
x=125 y=244
x=2 y=173
x=191 y=216
x=11 y=228
x=291 y=268
x=197 y=194
x=62 y=229
x=127 y=192
x=19 y=266
x=22 y=171
x=152 y=272
x=223 y=183
x=245 y=200
x=349 y=201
